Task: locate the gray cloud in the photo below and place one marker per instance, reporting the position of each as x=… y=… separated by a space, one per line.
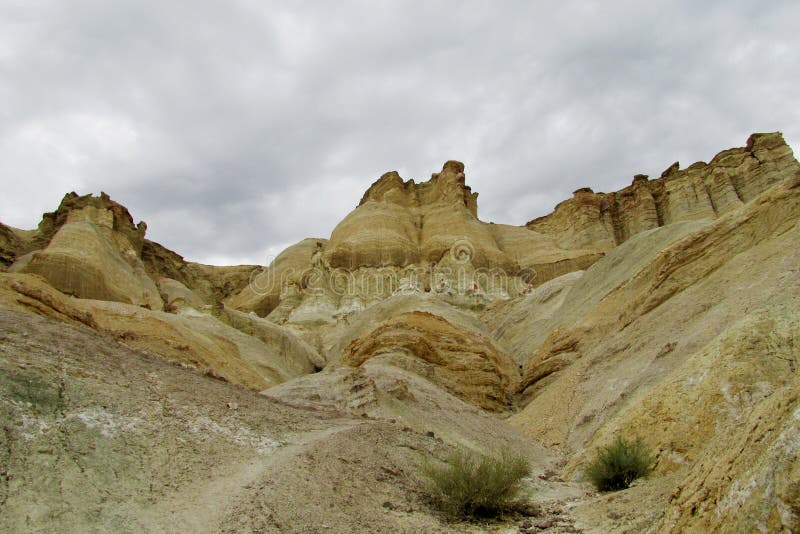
x=237 y=128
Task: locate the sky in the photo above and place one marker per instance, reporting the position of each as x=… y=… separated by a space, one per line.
x=237 y=128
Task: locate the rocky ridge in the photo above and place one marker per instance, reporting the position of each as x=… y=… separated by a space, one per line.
x=701 y=191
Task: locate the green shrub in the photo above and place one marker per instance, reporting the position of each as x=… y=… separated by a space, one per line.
x=475 y=485
x=617 y=465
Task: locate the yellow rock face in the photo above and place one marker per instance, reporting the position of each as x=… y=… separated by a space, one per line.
x=263 y=292
x=431 y=230
x=409 y=237
x=12 y=246
x=90 y=261
x=701 y=191
x=402 y=223
x=210 y=283
x=239 y=349
x=177 y=296
x=90 y=248
x=465 y=364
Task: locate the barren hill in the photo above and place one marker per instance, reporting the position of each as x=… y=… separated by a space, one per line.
x=140 y=391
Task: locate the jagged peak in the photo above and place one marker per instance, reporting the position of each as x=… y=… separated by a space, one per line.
x=454 y=167
x=120 y=218
x=447 y=186
x=387 y=182
x=672 y=169
x=765 y=140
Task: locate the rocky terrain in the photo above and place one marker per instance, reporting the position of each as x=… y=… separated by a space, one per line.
x=143 y=392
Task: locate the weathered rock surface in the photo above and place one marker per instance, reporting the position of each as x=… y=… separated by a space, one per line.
x=177 y=296
x=463 y=363
x=401 y=223
x=406 y=237
x=380 y=389
x=360 y=324
x=91 y=248
x=99 y=210
x=701 y=191
x=280 y=281
x=523 y=324
x=291 y=350
x=241 y=350
x=88 y=260
x=210 y=283
x=13 y=244
x=98 y=436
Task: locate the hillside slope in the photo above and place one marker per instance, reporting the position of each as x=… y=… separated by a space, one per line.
x=695 y=352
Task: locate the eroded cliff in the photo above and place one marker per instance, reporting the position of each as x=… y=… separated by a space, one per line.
x=701 y=191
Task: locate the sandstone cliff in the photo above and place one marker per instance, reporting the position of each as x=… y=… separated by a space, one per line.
x=701 y=191
x=466 y=365
x=90 y=247
x=406 y=237
x=210 y=283
x=12 y=245
x=426 y=237
x=229 y=346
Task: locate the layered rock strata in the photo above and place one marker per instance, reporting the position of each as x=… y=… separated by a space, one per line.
x=701 y=191
x=462 y=362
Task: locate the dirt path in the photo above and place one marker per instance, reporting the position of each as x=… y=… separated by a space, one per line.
x=202 y=506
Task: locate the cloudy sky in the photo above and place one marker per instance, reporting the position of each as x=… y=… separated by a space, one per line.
x=236 y=128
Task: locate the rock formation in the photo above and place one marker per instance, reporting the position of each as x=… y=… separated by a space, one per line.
x=90 y=247
x=405 y=237
x=210 y=283
x=696 y=352
x=10 y=246
x=230 y=346
x=466 y=365
x=140 y=391
x=701 y=191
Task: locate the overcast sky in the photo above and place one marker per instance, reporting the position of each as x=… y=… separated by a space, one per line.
x=236 y=128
